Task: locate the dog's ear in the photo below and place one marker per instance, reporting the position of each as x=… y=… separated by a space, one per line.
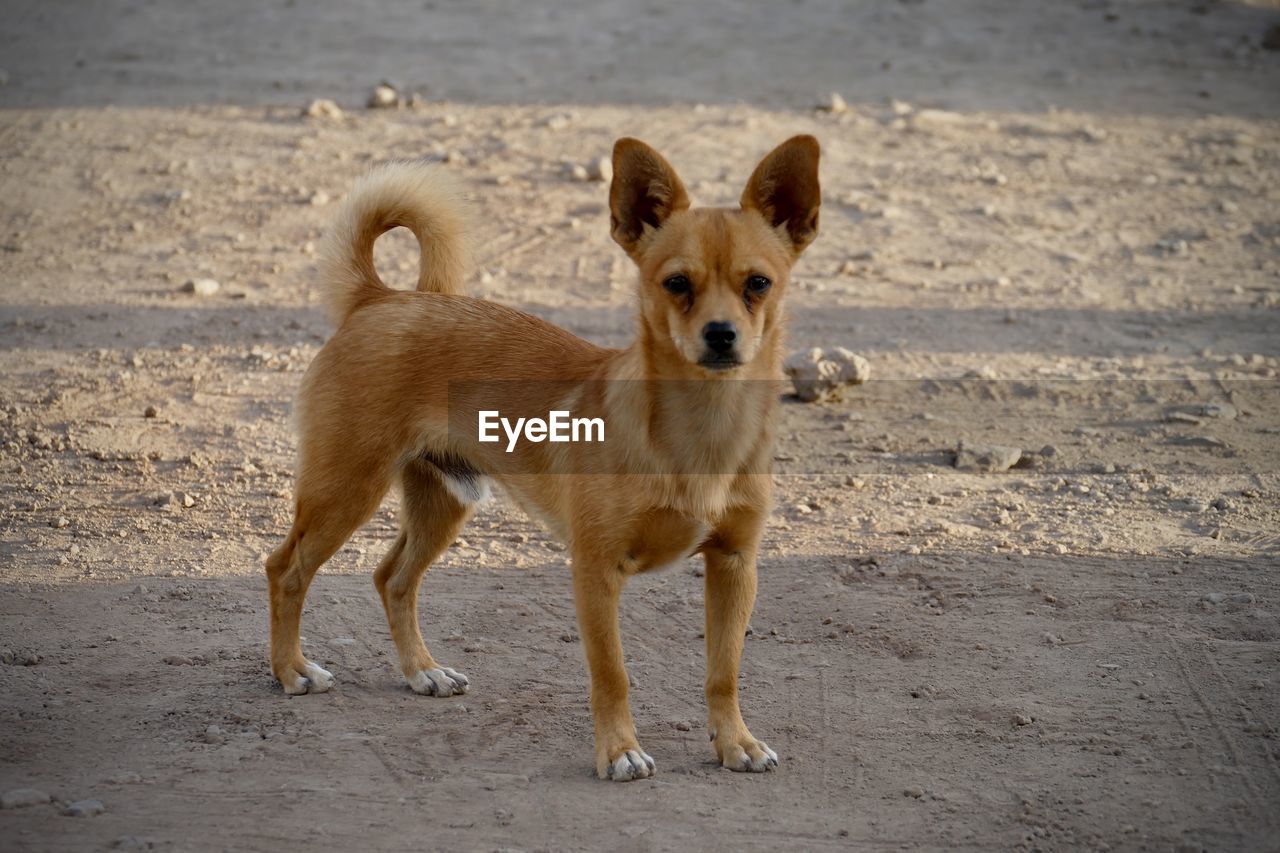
x=644 y=192
x=784 y=190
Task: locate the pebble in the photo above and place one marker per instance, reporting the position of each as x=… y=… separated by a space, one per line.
x=201 y=286
x=1244 y=598
x=149 y=412
x=835 y=103
x=60 y=522
x=22 y=797
x=188 y=500
x=683 y=726
x=85 y=808
x=383 y=96
x=600 y=169
x=318 y=198
x=1225 y=411
x=1022 y=720
x=986 y=457
x=323 y=108
x=1214 y=597
x=913 y=791
x=214 y=735
x=814 y=375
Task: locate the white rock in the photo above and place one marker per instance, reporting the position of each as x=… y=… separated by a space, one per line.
x=986 y=457
x=815 y=375
x=85 y=808
x=600 y=169
x=383 y=96
x=834 y=103
x=323 y=108
x=201 y=286
x=21 y=797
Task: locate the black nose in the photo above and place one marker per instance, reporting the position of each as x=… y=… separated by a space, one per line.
x=719 y=336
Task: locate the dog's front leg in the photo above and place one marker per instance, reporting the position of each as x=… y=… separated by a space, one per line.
x=597 y=586
x=730 y=594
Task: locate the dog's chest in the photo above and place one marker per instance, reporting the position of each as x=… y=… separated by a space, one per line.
x=660 y=537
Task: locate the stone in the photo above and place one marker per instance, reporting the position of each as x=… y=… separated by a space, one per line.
x=84 y=808
x=22 y=797
x=383 y=96
x=322 y=108
x=149 y=412
x=987 y=458
x=201 y=286
x=834 y=104
x=600 y=169
x=815 y=375
x=1021 y=719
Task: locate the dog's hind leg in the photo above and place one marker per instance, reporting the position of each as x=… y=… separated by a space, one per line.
x=432 y=517
x=327 y=513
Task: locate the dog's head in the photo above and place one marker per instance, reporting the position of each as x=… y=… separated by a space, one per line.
x=712 y=279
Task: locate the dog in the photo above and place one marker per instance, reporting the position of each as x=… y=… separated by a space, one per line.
x=689 y=407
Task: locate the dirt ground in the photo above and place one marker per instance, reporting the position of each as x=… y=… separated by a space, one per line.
x=1052 y=226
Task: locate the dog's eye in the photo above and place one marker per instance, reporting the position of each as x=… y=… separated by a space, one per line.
x=758 y=284
x=678 y=285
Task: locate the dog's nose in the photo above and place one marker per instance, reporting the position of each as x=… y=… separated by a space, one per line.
x=719 y=336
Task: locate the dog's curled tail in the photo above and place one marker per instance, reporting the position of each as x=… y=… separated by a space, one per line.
x=419 y=196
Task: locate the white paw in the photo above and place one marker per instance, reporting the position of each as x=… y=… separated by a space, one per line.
x=755 y=757
x=312 y=679
x=439 y=682
x=632 y=764
x=318 y=679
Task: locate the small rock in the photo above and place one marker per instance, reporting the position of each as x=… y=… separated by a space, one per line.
x=85 y=808
x=815 y=376
x=913 y=791
x=1214 y=597
x=1244 y=598
x=1020 y=719
x=201 y=286
x=179 y=660
x=187 y=499
x=60 y=522
x=383 y=96
x=834 y=104
x=682 y=726
x=318 y=198
x=1225 y=411
x=149 y=412
x=125 y=777
x=322 y=108
x=986 y=457
x=22 y=797
x=600 y=169
x=578 y=172
x=214 y=735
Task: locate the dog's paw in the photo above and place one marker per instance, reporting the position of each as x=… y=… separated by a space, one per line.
x=632 y=764
x=311 y=679
x=439 y=682
x=745 y=754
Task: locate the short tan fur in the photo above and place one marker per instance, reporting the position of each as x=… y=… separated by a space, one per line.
x=689 y=409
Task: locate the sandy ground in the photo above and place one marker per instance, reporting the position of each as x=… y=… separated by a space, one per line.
x=1062 y=236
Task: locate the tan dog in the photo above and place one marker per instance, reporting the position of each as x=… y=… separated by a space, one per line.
x=685 y=464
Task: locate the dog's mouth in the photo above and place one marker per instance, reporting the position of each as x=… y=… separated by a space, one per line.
x=728 y=361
